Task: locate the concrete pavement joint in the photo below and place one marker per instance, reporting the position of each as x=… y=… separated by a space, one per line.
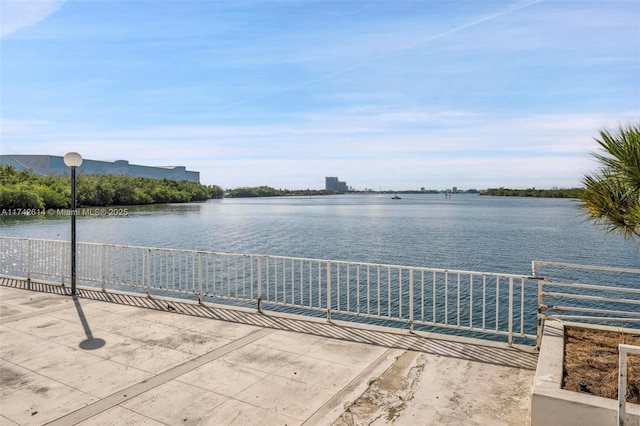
x=139 y=388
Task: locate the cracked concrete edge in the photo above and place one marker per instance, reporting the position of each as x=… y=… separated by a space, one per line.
x=416 y=365
x=388 y=395
x=333 y=409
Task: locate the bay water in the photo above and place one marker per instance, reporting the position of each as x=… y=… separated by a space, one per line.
x=466 y=231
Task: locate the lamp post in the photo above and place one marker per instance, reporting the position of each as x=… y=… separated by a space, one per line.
x=73 y=160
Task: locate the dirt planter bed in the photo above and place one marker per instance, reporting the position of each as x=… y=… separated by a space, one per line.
x=591 y=362
x=552 y=405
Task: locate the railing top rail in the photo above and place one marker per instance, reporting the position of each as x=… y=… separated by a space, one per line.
x=550 y=283
x=137 y=247
x=342 y=262
x=538 y=263
x=33 y=239
x=622 y=347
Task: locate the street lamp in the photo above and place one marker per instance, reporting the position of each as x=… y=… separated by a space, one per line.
x=73 y=160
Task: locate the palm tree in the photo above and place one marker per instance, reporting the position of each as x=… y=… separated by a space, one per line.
x=612 y=195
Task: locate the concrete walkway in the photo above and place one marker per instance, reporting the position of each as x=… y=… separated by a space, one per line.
x=116 y=358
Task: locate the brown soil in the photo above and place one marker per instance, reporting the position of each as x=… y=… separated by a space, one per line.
x=591 y=363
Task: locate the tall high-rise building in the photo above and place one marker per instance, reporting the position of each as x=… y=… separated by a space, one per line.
x=332 y=184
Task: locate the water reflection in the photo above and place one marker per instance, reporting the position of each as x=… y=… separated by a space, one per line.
x=471 y=232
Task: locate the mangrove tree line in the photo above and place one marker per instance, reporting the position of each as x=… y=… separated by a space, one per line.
x=27 y=190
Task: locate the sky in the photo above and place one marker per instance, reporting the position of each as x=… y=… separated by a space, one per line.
x=382 y=94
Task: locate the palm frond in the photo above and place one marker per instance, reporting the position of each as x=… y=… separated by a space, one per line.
x=612 y=196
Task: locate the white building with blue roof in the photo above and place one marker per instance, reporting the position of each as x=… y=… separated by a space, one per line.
x=54 y=165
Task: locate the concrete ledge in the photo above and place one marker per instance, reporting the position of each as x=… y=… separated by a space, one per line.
x=553 y=406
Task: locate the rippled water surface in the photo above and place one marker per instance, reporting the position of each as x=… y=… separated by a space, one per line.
x=470 y=232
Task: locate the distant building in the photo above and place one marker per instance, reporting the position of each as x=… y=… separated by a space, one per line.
x=334 y=185
x=54 y=165
x=330 y=183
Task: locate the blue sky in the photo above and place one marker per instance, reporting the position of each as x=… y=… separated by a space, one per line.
x=383 y=94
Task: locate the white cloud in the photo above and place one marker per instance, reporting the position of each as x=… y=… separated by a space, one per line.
x=18 y=14
x=395 y=150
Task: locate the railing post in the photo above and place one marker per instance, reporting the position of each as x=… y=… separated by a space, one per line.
x=622 y=385
x=411 y=300
x=534 y=271
x=29 y=264
x=63 y=261
x=200 y=278
x=259 y=294
x=103 y=266
x=358 y=289
x=539 y=325
x=148 y=271
x=510 y=338
x=329 y=291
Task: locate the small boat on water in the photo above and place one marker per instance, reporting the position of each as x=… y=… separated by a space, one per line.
x=395 y=197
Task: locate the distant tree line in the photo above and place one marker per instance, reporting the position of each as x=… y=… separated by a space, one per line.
x=532 y=192
x=267 y=191
x=27 y=190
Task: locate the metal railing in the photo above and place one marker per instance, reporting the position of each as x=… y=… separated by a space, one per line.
x=623 y=351
x=401 y=296
x=567 y=292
